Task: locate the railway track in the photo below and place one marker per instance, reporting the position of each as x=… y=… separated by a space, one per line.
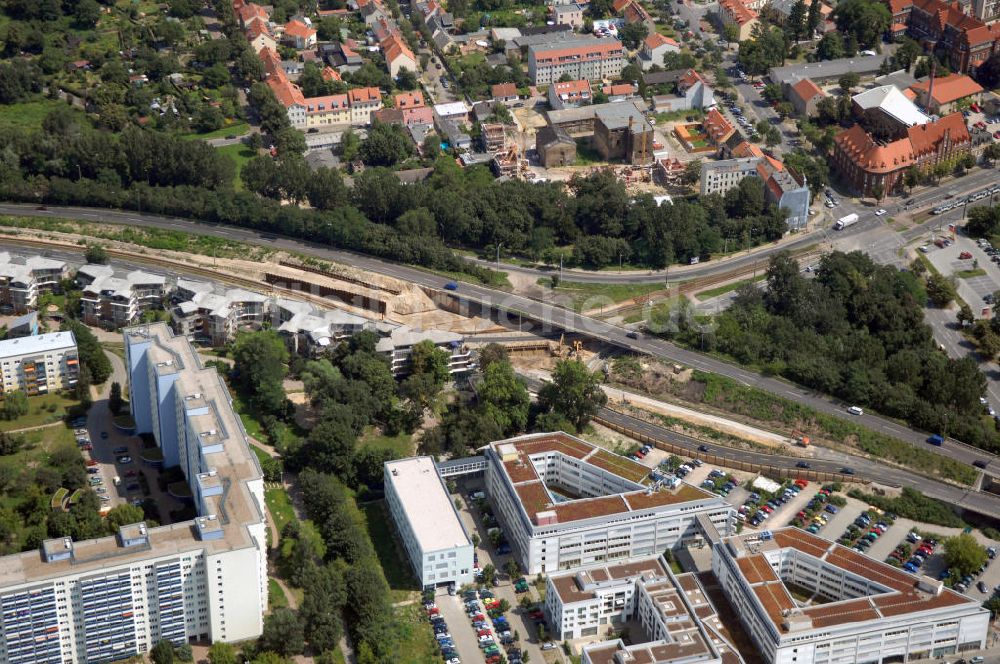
x=695 y=286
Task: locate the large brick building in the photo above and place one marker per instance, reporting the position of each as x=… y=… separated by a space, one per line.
x=940 y=26
x=866 y=164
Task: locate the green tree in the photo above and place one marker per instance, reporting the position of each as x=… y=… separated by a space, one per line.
x=260 y=360
x=222 y=653
x=87 y=14
x=504 y=397
x=633 y=33
x=427 y=358
x=830 y=47
x=14 y=405
x=813 y=19
x=574 y=392
x=849 y=81
x=122 y=515
x=283 y=633
x=92 y=355
x=964 y=554
x=940 y=289
x=115 y=401
x=162 y=653
x=386 y=145
x=965 y=315
x=96 y=254
x=796 y=23
x=492 y=352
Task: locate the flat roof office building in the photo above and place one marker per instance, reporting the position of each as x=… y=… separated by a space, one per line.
x=859 y=609
x=565 y=503
x=106 y=599
x=670 y=617
x=435 y=539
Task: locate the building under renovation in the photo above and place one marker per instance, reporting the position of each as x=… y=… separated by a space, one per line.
x=618 y=131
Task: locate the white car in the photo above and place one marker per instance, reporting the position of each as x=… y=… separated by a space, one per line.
x=879 y=212
x=856 y=410
x=454 y=660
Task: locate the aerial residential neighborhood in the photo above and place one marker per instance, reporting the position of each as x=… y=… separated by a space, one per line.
x=479 y=332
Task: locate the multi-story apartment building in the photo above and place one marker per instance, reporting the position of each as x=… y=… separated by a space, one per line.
x=678 y=621
x=432 y=533
x=864 y=611
x=22 y=279
x=39 y=364
x=565 y=503
x=355 y=107
x=785 y=189
x=109 y=598
x=718 y=177
x=399 y=345
x=199 y=312
x=585 y=57
x=118 y=301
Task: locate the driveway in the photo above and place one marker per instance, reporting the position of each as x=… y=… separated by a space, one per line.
x=459 y=627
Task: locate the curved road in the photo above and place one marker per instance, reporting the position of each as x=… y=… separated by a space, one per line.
x=553 y=319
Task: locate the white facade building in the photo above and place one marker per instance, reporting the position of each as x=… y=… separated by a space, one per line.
x=39 y=364
x=106 y=599
x=679 y=622
x=865 y=611
x=23 y=278
x=718 y=177
x=564 y=503
x=432 y=533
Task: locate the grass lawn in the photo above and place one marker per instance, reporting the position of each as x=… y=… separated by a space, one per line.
x=721 y=290
x=401 y=445
x=235 y=129
x=42 y=409
x=28 y=114
x=240 y=155
x=250 y=423
x=394 y=562
x=280 y=507
x=414 y=641
x=262 y=456
x=275 y=596
x=585 y=296
x=969 y=274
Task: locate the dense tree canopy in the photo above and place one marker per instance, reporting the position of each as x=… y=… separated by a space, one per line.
x=856 y=331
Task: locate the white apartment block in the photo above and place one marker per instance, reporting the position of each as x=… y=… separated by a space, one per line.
x=677 y=620
x=586 y=57
x=564 y=503
x=118 y=301
x=718 y=177
x=106 y=599
x=24 y=278
x=431 y=530
x=398 y=347
x=201 y=314
x=39 y=364
x=862 y=611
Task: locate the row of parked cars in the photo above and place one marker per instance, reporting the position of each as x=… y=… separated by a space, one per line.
x=446 y=645
x=720 y=483
x=754 y=512
x=866 y=530
x=641 y=453
x=488 y=636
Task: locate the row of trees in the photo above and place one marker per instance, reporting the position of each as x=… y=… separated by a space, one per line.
x=856 y=331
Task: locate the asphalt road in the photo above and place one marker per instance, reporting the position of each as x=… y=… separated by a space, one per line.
x=864 y=469
x=925 y=197
x=553 y=318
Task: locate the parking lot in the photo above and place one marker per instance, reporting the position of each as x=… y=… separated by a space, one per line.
x=973 y=289
x=519 y=620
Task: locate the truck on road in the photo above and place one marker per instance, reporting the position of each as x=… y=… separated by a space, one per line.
x=844 y=222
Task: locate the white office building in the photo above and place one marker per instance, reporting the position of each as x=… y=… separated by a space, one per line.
x=564 y=503
x=858 y=610
x=432 y=533
x=39 y=364
x=676 y=620
x=106 y=599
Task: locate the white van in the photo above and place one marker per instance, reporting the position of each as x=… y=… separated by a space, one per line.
x=855 y=410
x=117 y=481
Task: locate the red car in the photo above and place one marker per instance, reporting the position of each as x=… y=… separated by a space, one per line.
x=131 y=473
x=91 y=462
x=964 y=255
x=433 y=612
x=996 y=135
x=483 y=632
